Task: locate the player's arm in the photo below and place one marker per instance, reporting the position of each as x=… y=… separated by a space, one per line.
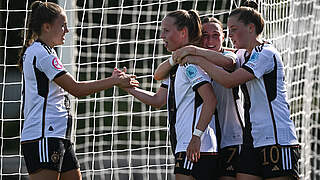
x=84 y=88
x=156 y=100
x=162 y=71
x=226 y=79
x=217 y=58
x=208 y=108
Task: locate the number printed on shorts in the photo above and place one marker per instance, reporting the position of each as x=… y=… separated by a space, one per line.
x=270 y=154
x=232 y=154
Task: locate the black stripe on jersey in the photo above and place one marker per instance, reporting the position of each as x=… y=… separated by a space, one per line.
x=247 y=136
x=23 y=97
x=235 y=93
x=69 y=126
x=164 y=86
x=246 y=59
x=43 y=90
x=67 y=104
x=60 y=74
x=199 y=84
x=46 y=47
x=270 y=83
x=259 y=48
x=172 y=109
x=42 y=80
x=248 y=69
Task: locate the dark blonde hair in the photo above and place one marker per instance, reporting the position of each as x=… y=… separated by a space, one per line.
x=41 y=12
x=191 y=20
x=248 y=14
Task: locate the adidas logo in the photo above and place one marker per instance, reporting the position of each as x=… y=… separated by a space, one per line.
x=230 y=168
x=275 y=168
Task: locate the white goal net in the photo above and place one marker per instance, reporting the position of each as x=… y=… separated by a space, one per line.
x=116 y=136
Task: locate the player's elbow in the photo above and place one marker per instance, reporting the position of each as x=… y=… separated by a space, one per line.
x=158 y=76
x=158 y=104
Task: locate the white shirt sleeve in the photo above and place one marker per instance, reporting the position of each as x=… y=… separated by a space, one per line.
x=260 y=63
x=165 y=83
x=51 y=66
x=196 y=75
x=230 y=55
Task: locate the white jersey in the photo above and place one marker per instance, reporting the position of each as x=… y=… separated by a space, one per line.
x=46 y=104
x=267 y=113
x=229 y=110
x=184 y=108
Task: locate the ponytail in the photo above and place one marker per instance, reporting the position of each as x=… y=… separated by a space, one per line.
x=29 y=40
x=251 y=4
x=195 y=32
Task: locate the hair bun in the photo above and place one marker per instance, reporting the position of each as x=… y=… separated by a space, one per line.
x=35 y=5
x=250 y=3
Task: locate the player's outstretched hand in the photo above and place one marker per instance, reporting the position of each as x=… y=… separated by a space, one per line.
x=193 y=150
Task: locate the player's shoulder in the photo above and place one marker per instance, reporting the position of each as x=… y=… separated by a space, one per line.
x=240 y=52
x=229 y=53
x=266 y=49
x=40 y=49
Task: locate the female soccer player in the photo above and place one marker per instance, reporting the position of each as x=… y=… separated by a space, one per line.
x=229 y=109
x=45 y=138
x=191 y=102
x=270 y=146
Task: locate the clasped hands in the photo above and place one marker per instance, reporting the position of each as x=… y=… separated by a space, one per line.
x=124 y=80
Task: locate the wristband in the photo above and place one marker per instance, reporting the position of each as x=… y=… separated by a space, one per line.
x=172 y=63
x=197 y=132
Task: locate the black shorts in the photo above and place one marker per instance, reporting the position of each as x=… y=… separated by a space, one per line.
x=49 y=153
x=270 y=161
x=228 y=160
x=205 y=169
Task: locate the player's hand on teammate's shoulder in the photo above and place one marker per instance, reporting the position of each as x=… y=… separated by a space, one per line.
x=181 y=53
x=124 y=80
x=188 y=60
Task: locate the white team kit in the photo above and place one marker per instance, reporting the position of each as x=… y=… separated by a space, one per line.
x=269 y=132
x=45 y=103
x=45 y=138
x=229 y=110
x=266 y=98
x=188 y=105
x=184 y=108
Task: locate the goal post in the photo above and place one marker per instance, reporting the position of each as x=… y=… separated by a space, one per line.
x=116 y=136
